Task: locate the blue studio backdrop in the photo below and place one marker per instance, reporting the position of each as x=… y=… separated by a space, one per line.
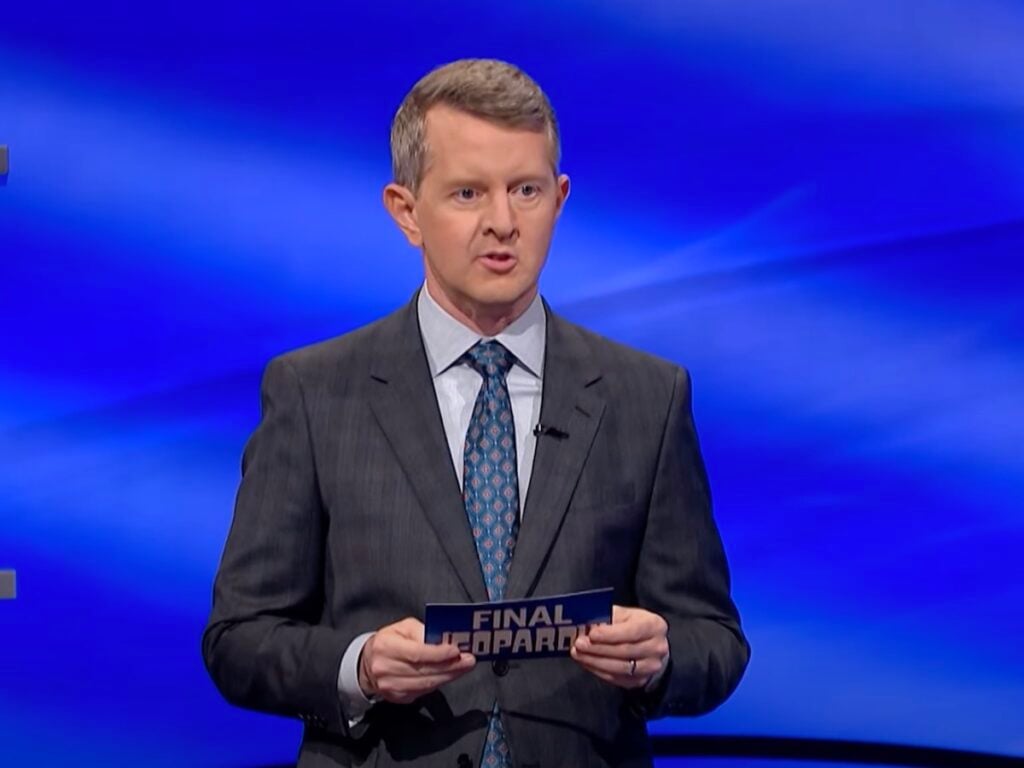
x=817 y=207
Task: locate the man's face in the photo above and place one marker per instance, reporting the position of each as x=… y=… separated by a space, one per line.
x=484 y=213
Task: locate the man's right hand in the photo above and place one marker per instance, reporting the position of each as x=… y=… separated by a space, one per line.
x=396 y=665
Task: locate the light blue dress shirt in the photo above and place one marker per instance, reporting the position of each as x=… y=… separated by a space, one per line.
x=456 y=387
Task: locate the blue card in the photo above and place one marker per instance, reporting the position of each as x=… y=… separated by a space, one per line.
x=518 y=629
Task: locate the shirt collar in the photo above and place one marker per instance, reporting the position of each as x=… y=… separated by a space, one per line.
x=446 y=339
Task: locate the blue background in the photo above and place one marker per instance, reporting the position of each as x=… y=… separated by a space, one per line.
x=817 y=207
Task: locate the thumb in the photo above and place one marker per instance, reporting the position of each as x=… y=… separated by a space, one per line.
x=621 y=613
x=411 y=629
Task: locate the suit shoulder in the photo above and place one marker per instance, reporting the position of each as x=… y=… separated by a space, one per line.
x=632 y=368
x=343 y=351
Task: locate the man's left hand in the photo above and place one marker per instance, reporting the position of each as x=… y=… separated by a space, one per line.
x=629 y=652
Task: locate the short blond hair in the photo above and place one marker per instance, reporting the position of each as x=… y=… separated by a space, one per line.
x=487 y=88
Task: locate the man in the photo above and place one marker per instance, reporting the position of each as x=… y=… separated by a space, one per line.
x=472 y=446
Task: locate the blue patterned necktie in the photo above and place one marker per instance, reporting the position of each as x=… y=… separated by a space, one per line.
x=490 y=490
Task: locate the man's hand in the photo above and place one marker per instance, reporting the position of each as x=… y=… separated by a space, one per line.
x=397 y=666
x=629 y=652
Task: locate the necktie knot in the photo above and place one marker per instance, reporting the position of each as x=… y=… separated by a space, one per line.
x=490 y=359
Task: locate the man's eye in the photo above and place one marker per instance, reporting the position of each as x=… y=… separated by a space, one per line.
x=529 y=190
x=466 y=193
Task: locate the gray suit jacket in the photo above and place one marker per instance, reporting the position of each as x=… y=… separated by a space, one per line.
x=350 y=517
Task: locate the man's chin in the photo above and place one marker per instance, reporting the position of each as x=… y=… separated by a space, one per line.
x=508 y=299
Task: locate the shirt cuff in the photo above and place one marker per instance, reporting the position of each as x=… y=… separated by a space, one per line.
x=355 y=702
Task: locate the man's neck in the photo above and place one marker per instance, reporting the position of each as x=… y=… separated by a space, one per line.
x=485 y=321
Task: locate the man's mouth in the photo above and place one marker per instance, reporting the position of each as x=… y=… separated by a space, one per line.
x=498 y=261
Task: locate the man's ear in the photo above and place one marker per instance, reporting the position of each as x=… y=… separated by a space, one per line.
x=563 y=193
x=401 y=204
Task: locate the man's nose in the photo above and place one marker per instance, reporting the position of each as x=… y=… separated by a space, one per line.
x=500 y=218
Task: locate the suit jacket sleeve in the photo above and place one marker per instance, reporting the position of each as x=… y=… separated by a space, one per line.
x=683 y=576
x=263 y=645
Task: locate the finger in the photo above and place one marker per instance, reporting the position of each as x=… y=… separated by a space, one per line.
x=657 y=646
x=645 y=666
x=409 y=628
x=402 y=689
x=461 y=663
x=624 y=613
x=421 y=684
x=413 y=630
x=621 y=680
x=627 y=632
x=632 y=625
x=424 y=654
x=384 y=665
x=619 y=614
x=412 y=651
x=387 y=660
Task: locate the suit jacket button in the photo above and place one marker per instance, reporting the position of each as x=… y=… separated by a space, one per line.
x=500 y=667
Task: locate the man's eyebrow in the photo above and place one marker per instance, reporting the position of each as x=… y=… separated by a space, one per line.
x=533 y=178
x=457 y=182
x=463 y=181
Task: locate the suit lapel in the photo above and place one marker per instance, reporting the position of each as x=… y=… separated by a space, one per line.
x=405 y=406
x=574 y=406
